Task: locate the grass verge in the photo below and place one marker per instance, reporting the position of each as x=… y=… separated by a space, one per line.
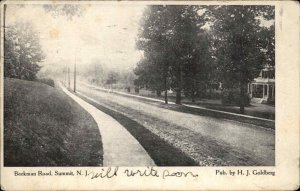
x=44 y=127
x=251 y=110
x=204 y=112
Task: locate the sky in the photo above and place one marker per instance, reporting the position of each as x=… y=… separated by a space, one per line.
x=104 y=34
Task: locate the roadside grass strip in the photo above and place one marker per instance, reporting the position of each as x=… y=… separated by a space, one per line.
x=197 y=110
x=44 y=127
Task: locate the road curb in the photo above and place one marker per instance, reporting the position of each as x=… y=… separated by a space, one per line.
x=266 y=123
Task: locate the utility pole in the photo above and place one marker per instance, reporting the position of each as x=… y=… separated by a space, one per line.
x=75 y=75
x=4 y=28
x=4 y=17
x=69 y=76
x=65 y=75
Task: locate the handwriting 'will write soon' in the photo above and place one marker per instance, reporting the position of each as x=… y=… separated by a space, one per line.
x=111 y=172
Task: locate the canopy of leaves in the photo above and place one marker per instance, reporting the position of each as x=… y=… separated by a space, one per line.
x=154 y=39
x=242 y=46
x=174 y=47
x=22 y=52
x=68 y=10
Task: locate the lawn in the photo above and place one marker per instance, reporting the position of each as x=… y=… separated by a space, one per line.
x=44 y=127
x=255 y=109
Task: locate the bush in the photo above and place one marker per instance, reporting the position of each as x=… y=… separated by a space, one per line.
x=212 y=95
x=47 y=81
x=232 y=97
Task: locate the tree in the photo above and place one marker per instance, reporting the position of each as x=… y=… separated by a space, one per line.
x=67 y=10
x=23 y=52
x=169 y=38
x=267 y=44
x=95 y=72
x=154 y=38
x=198 y=69
x=240 y=44
x=112 y=78
x=149 y=76
x=127 y=78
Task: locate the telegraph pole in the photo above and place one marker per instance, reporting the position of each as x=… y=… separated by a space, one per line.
x=69 y=76
x=65 y=75
x=4 y=17
x=4 y=28
x=75 y=74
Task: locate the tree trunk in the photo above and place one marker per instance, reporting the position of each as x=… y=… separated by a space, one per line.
x=69 y=77
x=75 y=76
x=166 y=90
x=193 y=90
x=242 y=98
x=210 y=91
x=178 y=96
x=193 y=97
x=158 y=93
x=179 y=86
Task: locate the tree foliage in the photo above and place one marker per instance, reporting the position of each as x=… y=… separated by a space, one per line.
x=154 y=39
x=150 y=76
x=100 y=74
x=180 y=54
x=174 y=49
x=242 y=45
x=68 y=10
x=23 y=52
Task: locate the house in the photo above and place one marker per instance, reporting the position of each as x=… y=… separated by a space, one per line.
x=262 y=88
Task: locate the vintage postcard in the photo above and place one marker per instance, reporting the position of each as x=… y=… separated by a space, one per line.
x=149 y=95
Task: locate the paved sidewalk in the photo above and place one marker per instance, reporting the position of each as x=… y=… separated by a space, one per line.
x=119 y=146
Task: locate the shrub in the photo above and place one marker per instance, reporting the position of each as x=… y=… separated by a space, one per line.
x=232 y=97
x=213 y=95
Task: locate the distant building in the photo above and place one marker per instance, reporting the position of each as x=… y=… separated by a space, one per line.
x=262 y=88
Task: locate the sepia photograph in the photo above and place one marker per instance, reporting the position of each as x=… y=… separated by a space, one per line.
x=149 y=95
x=138 y=85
